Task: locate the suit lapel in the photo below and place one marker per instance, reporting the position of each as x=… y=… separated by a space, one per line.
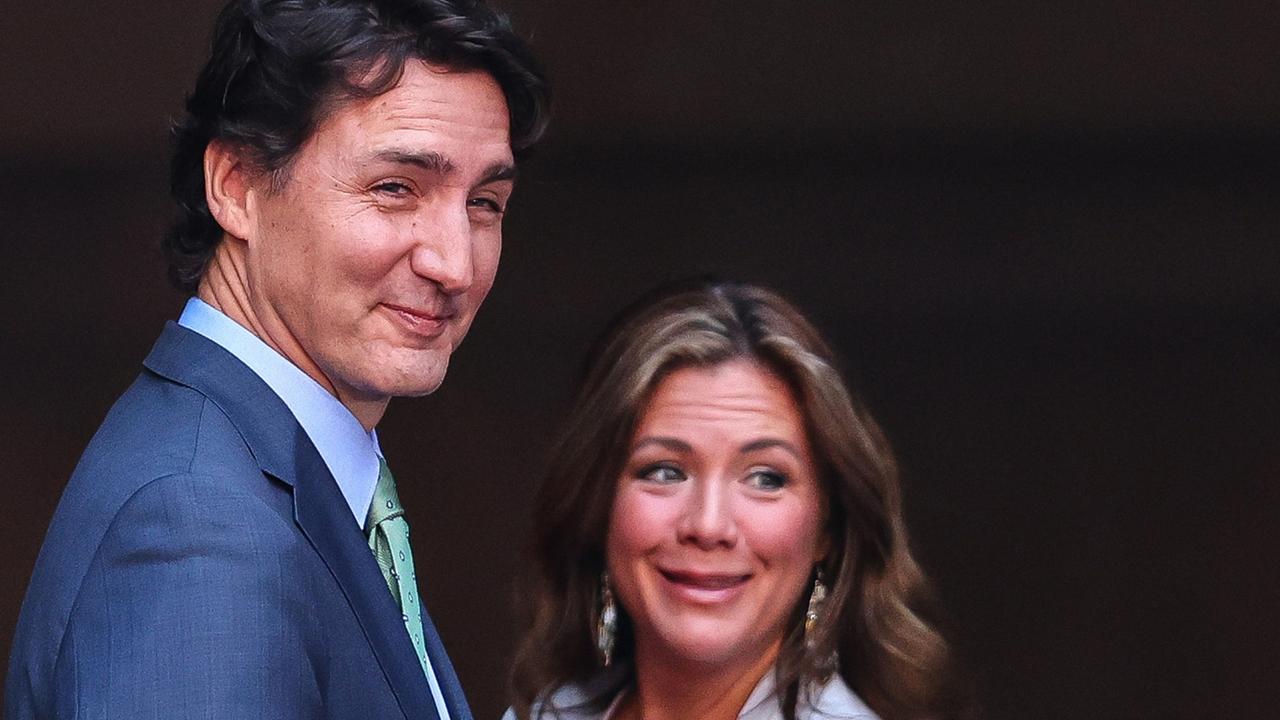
x=327 y=522
x=283 y=451
x=454 y=699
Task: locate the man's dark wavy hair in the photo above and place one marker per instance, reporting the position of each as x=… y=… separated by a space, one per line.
x=278 y=66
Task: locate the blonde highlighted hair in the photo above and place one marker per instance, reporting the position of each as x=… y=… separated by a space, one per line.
x=875 y=624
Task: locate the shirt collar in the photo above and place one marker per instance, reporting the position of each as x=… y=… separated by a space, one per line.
x=350 y=453
x=831 y=699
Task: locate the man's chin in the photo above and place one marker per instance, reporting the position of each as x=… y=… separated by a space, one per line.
x=414 y=381
x=416 y=392
x=401 y=374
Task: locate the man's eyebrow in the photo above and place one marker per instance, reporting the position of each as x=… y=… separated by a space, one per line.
x=497 y=172
x=432 y=162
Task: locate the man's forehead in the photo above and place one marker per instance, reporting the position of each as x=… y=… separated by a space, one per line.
x=427 y=111
x=457 y=129
x=425 y=91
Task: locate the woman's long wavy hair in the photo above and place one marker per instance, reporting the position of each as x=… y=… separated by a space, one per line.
x=875 y=622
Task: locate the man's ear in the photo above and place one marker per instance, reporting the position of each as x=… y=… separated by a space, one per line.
x=229 y=187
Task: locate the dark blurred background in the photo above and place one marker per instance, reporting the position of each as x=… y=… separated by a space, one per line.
x=1041 y=234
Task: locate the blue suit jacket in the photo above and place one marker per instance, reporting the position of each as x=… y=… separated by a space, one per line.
x=202 y=563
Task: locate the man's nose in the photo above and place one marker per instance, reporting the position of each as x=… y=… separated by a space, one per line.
x=708 y=520
x=443 y=247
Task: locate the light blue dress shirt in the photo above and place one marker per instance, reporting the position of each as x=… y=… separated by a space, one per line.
x=351 y=454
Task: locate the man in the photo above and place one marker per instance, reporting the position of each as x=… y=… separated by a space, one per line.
x=231 y=544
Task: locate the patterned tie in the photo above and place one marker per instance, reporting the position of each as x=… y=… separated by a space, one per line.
x=389 y=541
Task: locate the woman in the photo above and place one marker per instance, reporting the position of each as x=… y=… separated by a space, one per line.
x=720 y=533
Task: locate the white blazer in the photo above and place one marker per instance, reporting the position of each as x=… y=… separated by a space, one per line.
x=833 y=701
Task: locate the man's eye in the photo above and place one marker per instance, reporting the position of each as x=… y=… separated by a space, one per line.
x=397 y=189
x=766 y=480
x=661 y=473
x=486 y=204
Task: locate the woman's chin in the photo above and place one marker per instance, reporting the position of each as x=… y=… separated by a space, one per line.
x=712 y=645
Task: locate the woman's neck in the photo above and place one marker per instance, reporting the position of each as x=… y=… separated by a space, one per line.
x=667 y=690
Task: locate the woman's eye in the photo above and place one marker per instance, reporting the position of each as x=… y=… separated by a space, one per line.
x=663 y=474
x=766 y=480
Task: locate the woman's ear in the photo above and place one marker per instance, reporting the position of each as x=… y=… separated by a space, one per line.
x=229 y=188
x=822 y=549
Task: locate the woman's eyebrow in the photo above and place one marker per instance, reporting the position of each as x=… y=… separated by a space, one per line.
x=765 y=443
x=670 y=443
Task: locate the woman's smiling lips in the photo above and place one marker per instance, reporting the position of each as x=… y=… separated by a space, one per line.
x=423 y=323
x=701 y=587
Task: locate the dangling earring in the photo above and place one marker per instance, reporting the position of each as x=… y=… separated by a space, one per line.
x=607 y=623
x=816 y=599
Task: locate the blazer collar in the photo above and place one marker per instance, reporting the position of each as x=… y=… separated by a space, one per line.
x=283 y=451
x=264 y=422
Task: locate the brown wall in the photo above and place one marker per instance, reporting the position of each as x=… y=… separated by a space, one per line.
x=1041 y=235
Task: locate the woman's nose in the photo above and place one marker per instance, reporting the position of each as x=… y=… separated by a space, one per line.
x=707 y=520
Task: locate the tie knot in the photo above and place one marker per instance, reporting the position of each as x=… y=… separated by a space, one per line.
x=386 y=503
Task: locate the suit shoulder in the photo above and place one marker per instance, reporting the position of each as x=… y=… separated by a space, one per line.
x=161 y=446
x=159 y=427
x=157 y=430
x=188 y=503
x=193 y=567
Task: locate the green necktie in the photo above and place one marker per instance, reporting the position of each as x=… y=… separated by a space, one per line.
x=389 y=541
